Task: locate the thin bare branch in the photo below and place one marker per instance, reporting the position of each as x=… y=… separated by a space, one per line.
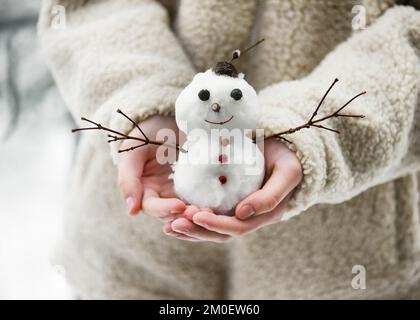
x=312 y=122
x=351 y=115
x=117 y=136
x=133 y=122
x=132 y=148
x=322 y=100
x=253 y=46
x=348 y=102
x=326 y=128
x=237 y=53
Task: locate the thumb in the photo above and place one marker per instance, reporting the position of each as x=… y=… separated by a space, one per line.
x=281 y=182
x=130 y=169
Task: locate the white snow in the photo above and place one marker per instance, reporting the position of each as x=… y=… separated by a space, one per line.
x=191 y=112
x=196 y=173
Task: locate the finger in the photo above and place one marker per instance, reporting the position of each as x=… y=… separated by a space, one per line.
x=188 y=228
x=281 y=182
x=161 y=207
x=167 y=229
x=231 y=225
x=130 y=169
x=191 y=211
x=171 y=217
x=168 y=193
x=187 y=238
x=222 y=224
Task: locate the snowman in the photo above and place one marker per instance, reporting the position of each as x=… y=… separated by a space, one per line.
x=218 y=112
x=220 y=163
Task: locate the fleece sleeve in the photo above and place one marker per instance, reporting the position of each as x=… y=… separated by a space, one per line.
x=106 y=55
x=383 y=60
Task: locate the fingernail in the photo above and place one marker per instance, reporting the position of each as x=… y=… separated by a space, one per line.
x=129 y=201
x=204 y=225
x=180 y=230
x=247 y=211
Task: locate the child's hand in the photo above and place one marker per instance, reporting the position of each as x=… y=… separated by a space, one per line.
x=261 y=208
x=143 y=182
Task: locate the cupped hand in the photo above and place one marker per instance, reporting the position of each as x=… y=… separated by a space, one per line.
x=143 y=181
x=261 y=208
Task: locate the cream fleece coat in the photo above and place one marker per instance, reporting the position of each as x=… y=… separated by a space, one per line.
x=359 y=201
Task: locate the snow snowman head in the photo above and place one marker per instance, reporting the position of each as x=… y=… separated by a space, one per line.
x=219 y=98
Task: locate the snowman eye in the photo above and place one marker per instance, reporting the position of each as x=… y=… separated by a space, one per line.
x=236 y=94
x=204 y=95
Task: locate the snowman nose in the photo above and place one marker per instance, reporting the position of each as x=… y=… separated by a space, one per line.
x=215 y=107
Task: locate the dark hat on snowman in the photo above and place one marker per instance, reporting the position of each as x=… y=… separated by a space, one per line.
x=226 y=68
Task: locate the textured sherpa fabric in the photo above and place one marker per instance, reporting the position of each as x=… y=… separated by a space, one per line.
x=358 y=203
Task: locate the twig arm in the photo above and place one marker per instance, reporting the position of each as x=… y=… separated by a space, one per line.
x=117 y=135
x=312 y=122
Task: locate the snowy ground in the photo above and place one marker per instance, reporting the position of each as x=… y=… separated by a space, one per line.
x=34 y=164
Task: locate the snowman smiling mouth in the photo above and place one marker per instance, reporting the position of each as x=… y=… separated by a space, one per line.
x=221 y=122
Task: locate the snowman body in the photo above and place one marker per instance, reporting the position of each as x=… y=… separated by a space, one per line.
x=218 y=173
x=222 y=164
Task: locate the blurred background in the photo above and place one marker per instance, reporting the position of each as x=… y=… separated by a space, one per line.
x=36 y=149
